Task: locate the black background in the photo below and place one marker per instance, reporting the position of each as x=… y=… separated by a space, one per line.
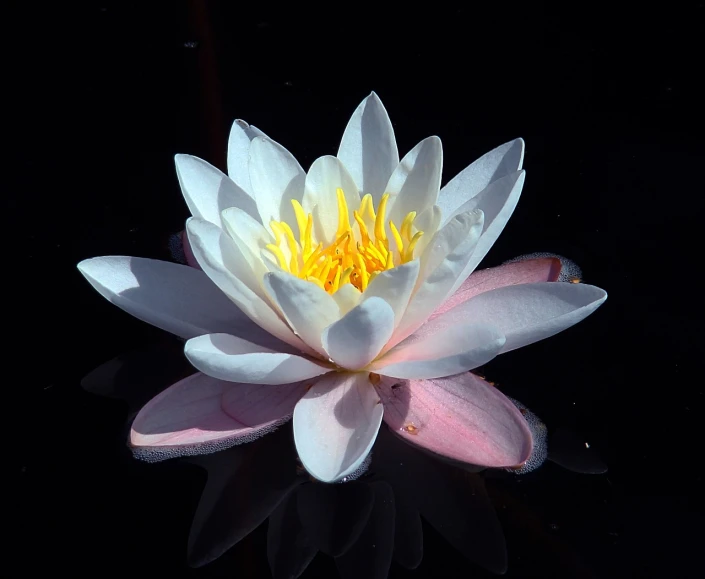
x=609 y=101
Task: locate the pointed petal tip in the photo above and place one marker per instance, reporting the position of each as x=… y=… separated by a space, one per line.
x=83 y=265
x=520 y=145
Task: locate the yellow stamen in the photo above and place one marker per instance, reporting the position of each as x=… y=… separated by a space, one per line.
x=279 y=254
x=345 y=278
x=336 y=280
x=380 y=234
x=277 y=230
x=307 y=241
x=356 y=256
x=409 y=254
x=363 y=228
x=311 y=261
x=397 y=237
x=300 y=221
x=343 y=216
x=367 y=205
x=406 y=226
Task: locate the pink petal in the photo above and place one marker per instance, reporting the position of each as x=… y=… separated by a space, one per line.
x=200 y=415
x=461 y=417
x=529 y=271
x=188 y=252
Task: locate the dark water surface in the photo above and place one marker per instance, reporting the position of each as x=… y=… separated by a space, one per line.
x=611 y=111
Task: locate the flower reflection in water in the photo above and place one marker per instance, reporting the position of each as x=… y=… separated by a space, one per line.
x=364 y=524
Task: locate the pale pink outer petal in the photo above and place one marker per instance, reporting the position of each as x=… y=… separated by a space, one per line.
x=461 y=417
x=529 y=271
x=200 y=415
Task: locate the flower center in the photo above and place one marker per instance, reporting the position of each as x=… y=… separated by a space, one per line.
x=360 y=251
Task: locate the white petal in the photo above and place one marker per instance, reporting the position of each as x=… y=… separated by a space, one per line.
x=499 y=162
x=395 y=286
x=241 y=135
x=355 y=340
x=237 y=360
x=415 y=183
x=276 y=178
x=176 y=298
x=250 y=236
x=336 y=424
x=208 y=191
x=438 y=350
x=497 y=202
x=368 y=148
x=225 y=265
x=347 y=297
x=528 y=313
x=307 y=308
x=443 y=261
x=325 y=176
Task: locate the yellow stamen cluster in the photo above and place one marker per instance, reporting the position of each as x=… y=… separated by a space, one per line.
x=360 y=250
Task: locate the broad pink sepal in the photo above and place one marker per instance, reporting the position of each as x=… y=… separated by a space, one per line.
x=461 y=417
x=200 y=414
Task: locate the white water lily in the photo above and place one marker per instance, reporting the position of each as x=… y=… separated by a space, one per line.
x=354 y=301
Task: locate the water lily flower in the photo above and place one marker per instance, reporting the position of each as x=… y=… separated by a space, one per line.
x=343 y=296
